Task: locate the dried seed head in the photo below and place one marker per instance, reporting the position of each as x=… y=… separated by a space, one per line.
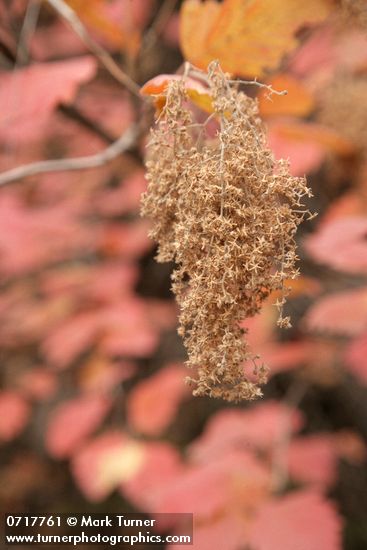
x=226 y=212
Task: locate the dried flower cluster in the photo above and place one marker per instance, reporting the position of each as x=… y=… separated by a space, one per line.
x=226 y=213
x=356 y=10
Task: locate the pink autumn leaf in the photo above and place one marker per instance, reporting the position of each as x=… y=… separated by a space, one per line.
x=303 y=520
x=101 y=375
x=339 y=313
x=39 y=384
x=127 y=330
x=68 y=340
x=356 y=357
x=341 y=244
x=120 y=329
x=222 y=531
x=32 y=237
x=235 y=480
x=285 y=356
x=261 y=427
x=125 y=198
x=147 y=412
x=72 y=421
x=103 y=463
x=114 y=460
x=100 y=283
x=14 y=414
x=304 y=157
x=161 y=467
x=128 y=240
x=313 y=459
x=29 y=95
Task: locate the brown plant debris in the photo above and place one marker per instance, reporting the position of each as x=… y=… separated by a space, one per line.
x=226 y=212
x=343 y=108
x=355 y=11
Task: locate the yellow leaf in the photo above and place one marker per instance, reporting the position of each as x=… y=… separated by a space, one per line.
x=196 y=91
x=248 y=37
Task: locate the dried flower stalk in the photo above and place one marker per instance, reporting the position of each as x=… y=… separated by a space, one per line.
x=226 y=212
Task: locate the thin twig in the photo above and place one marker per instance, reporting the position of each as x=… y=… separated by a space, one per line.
x=107 y=61
x=159 y=23
x=27 y=31
x=202 y=75
x=293 y=398
x=260 y=85
x=125 y=141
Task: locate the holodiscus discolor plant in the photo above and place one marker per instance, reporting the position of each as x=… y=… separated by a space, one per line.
x=226 y=212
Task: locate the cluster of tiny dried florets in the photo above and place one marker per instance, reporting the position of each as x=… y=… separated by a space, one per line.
x=226 y=213
x=356 y=10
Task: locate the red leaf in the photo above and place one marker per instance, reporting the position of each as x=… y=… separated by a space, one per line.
x=119 y=329
x=341 y=244
x=72 y=421
x=147 y=412
x=313 y=459
x=305 y=144
x=102 y=464
x=302 y=521
x=261 y=426
x=356 y=357
x=161 y=468
x=101 y=375
x=125 y=198
x=140 y=470
x=64 y=343
x=127 y=330
x=128 y=240
x=100 y=283
x=38 y=383
x=32 y=237
x=14 y=414
x=236 y=480
x=29 y=95
x=339 y=313
x=222 y=531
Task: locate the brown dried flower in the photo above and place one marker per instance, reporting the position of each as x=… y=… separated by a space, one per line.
x=226 y=212
x=355 y=11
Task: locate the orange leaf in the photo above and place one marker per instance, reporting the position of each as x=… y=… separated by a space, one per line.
x=305 y=144
x=198 y=93
x=92 y=13
x=247 y=37
x=318 y=134
x=297 y=102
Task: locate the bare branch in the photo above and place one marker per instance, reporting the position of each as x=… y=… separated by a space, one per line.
x=292 y=399
x=201 y=75
x=125 y=141
x=159 y=23
x=107 y=61
x=27 y=31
